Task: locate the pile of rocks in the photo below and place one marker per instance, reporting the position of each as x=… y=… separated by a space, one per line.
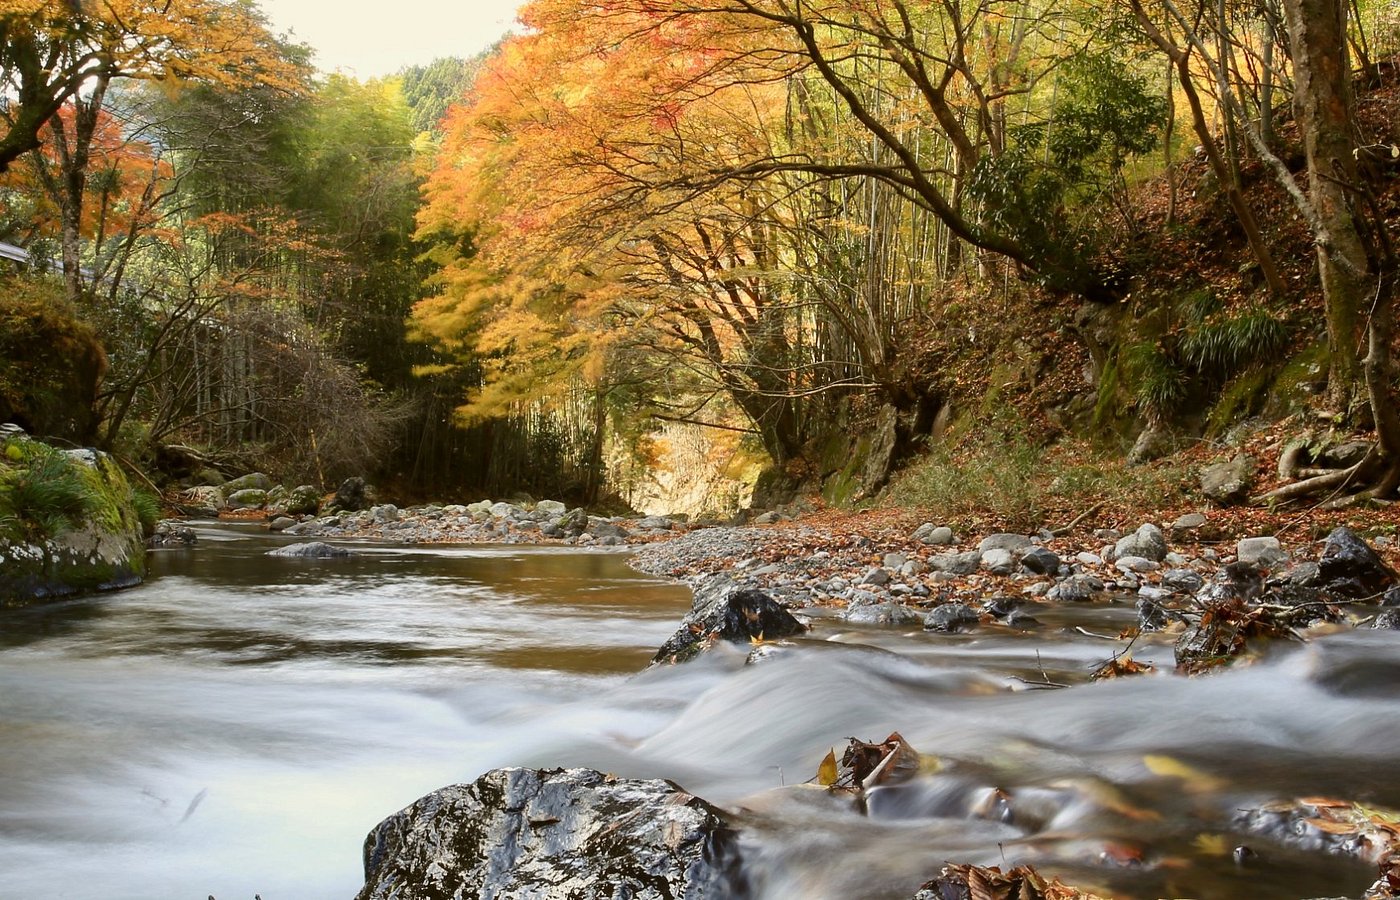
x=486 y=522
x=930 y=576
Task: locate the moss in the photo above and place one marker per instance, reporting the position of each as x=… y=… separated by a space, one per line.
x=1297 y=381
x=841 y=488
x=91 y=540
x=1241 y=397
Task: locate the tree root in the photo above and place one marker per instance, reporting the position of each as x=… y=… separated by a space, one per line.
x=1373 y=478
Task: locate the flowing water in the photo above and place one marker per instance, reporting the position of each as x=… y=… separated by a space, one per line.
x=239 y=723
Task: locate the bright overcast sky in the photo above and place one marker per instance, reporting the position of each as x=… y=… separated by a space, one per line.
x=369 y=39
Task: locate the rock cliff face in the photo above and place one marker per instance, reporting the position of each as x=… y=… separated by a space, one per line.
x=554 y=834
x=102 y=549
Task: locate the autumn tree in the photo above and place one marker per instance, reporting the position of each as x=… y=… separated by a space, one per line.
x=53 y=53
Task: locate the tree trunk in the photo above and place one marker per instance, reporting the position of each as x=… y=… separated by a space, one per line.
x=1323 y=104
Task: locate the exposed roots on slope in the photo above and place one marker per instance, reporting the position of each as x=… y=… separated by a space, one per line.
x=1374 y=478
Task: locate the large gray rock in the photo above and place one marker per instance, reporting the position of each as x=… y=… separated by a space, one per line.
x=1260 y=551
x=572 y=834
x=1015 y=543
x=1147 y=542
x=956 y=563
x=1229 y=482
x=248 y=498
x=104 y=549
x=999 y=561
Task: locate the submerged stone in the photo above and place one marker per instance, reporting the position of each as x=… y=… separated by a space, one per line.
x=311 y=550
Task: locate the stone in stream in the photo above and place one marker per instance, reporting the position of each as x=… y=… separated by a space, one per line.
x=1076 y=589
x=566 y=833
x=1388 y=620
x=1350 y=568
x=311 y=550
x=892 y=614
x=951 y=617
x=722 y=613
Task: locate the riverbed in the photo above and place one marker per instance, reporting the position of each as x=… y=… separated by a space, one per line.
x=236 y=726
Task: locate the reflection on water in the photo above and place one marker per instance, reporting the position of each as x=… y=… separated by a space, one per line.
x=239 y=723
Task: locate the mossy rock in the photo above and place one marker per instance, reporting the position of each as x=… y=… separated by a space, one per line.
x=93 y=543
x=50 y=361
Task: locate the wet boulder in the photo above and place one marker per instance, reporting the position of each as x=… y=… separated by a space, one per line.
x=1184 y=581
x=1350 y=568
x=311 y=550
x=171 y=534
x=723 y=613
x=951 y=617
x=1076 y=589
x=572 y=833
x=1152 y=616
x=892 y=614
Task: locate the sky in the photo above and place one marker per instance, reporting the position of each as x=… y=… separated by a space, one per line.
x=370 y=38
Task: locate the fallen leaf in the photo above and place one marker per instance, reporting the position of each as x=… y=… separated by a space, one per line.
x=827 y=773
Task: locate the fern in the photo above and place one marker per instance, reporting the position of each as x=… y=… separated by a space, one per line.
x=45 y=496
x=1159 y=384
x=1223 y=346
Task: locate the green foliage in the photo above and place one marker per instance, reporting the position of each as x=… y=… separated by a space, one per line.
x=1104 y=114
x=1001 y=477
x=1194 y=346
x=997 y=472
x=42 y=492
x=1224 y=344
x=50 y=360
x=429 y=90
x=1159 y=384
x=148 y=509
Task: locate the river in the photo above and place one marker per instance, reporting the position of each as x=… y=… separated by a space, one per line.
x=236 y=726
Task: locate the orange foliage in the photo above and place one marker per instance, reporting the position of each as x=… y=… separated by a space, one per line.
x=577 y=169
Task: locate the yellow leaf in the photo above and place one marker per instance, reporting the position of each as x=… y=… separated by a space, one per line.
x=1212 y=845
x=827 y=773
x=1193 y=779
